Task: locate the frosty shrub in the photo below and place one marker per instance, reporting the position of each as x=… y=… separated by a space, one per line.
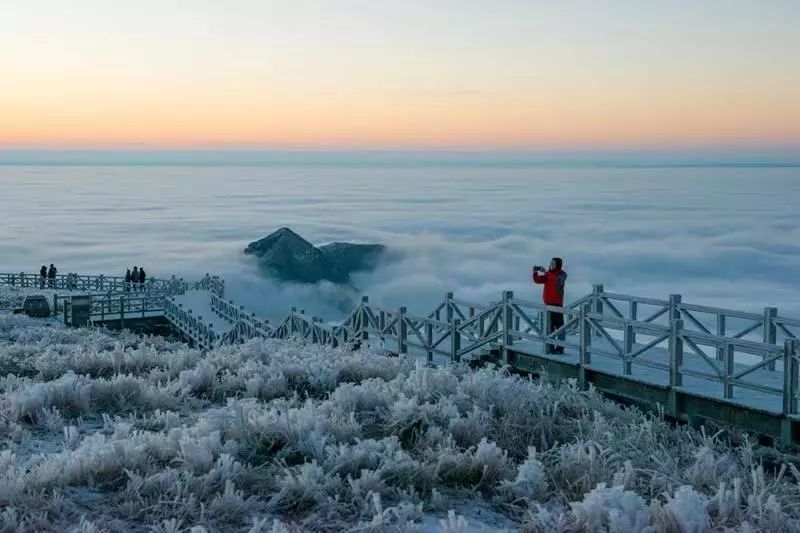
x=103 y=431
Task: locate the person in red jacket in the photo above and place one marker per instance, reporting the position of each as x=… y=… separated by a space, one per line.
x=554 y=280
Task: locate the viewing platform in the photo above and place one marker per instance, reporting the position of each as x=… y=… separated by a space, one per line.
x=691 y=361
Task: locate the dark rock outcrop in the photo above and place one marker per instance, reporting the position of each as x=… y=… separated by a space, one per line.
x=290 y=257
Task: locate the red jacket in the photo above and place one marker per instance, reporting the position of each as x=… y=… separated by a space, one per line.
x=553 y=281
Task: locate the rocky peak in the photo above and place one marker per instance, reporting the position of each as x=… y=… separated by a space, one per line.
x=290 y=257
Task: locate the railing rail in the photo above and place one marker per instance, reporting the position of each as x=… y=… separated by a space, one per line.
x=88 y=283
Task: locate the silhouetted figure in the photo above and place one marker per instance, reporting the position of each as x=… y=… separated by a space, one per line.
x=128 y=280
x=554 y=281
x=142 y=277
x=135 y=278
x=42 y=276
x=51 y=276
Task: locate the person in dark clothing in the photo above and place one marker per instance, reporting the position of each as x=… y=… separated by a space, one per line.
x=142 y=277
x=42 y=276
x=135 y=278
x=51 y=276
x=554 y=280
x=128 y=280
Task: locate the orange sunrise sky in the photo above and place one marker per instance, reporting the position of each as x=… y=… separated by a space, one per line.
x=372 y=74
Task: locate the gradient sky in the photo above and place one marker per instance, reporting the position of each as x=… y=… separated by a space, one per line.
x=416 y=73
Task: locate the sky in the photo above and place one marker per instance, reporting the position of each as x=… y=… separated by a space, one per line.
x=433 y=74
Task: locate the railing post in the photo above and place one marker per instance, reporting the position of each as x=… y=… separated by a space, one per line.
x=449 y=307
x=546 y=325
x=508 y=324
x=674 y=307
x=770 y=331
x=628 y=343
x=402 y=331
x=584 y=355
x=633 y=311
x=597 y=302
x=122 y=312
x=429 y=340
x=675 y=363
x=721 y=333
x=455 y=340
x=791 y=353
x=365 y=323
x=727 y=391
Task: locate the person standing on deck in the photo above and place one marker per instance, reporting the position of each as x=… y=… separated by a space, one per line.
x=42 y=276
x=142 y=277
x=51 y=276
x=128 y=280
x=554 y=280
x=135 y=278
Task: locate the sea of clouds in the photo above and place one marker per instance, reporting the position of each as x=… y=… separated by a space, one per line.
x=718 y=235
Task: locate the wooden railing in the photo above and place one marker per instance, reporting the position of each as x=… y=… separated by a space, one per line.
x=595 y=326
x=88 y=283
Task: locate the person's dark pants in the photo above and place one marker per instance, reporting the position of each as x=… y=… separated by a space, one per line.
x=556 y=321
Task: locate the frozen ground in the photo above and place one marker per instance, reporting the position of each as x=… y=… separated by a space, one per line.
x=115 y=432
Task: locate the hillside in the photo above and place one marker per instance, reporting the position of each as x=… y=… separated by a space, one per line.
x=116 y=432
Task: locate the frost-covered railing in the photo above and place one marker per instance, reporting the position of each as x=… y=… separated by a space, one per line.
x=86 y=283
x=767 y=327
x=593 y=328
x=108 y=306
x=199 y=331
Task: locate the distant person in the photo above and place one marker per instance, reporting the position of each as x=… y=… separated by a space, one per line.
x=554 y=280
x=128 y=280
x=42 y=276
x=135 y=278
x=142 y=277
x=51 y=276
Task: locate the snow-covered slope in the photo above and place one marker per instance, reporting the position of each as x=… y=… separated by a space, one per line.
x=116 y=432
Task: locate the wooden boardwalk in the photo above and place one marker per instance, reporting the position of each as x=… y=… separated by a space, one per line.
x=693 y=362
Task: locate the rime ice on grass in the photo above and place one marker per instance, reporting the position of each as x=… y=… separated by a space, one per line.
x=115 y=432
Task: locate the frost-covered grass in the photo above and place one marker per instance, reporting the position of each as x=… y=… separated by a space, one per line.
x=117 y=432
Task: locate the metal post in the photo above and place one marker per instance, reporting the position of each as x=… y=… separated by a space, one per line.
x=122 y=312
x=721 y=333
x=727 y=391
x=402 y=331
x=770 y=331
x=597 y=302
x=675 y=364
x=508 y=324
x=633 y=309
x=791 y=353
x=455 y=340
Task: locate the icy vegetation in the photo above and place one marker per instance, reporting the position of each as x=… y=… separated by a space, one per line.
x=114 y=432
